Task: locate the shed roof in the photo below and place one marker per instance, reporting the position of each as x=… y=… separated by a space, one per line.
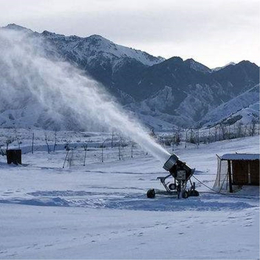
x=240 y=156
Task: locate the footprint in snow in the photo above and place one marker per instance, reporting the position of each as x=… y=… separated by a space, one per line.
x=48 y=245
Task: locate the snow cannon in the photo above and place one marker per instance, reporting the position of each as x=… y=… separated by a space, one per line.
x=181 y=174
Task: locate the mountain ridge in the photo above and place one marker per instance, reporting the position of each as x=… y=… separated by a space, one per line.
x=176 y=91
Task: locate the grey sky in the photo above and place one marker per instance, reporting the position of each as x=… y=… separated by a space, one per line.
x=213 y=32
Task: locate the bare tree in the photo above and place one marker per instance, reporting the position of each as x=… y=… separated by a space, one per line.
x=102 y=149
x=46 y=141
x=112 y=139
x=2 y=152
x=132 y=149
x=119 y=148
x=17 y=138
x=239 y=129
x=177 y=137
x=8 y=141
x=67 y=148
x=224 y=131
x=55 y=141
x=252 y=128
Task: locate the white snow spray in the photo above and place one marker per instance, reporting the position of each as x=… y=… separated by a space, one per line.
x=30 y=75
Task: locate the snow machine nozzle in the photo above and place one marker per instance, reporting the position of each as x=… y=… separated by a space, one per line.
x=170 y=162
x=178 y=169
x=181 y=174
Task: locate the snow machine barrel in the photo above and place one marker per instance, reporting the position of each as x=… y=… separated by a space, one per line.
x=170 y=162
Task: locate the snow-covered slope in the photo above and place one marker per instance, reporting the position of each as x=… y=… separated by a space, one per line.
x=243 y=108
x=95 y=47
x=197 y=66
x=91 y=47
x=100 y=210
x=220 y=68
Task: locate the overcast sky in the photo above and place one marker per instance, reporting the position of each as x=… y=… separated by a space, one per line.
x=213 y=32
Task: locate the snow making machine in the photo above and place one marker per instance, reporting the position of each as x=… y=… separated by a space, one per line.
x=181 y=174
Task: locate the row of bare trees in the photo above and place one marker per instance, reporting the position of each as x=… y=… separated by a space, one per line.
x=190 y=135
x=211 y=134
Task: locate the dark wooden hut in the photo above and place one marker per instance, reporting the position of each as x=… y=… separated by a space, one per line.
x=237 y=169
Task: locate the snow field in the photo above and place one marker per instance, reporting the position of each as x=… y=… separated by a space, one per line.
x=100 y=211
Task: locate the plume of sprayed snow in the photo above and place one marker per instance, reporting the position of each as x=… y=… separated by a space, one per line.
x=28 y=74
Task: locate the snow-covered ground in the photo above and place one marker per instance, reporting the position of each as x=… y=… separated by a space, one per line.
x=100 y=210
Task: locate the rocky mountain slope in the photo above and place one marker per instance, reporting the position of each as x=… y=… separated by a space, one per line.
x=244 y=106
x=160 y=92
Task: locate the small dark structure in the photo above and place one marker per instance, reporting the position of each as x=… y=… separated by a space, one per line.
x=235 y=170
x=14 y=156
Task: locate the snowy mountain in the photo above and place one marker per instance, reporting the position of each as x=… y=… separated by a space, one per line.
x=197 y=66
x=95 y=46
x=220 y=68
x=16 y=27
x=243 y=108
x=162 y=93
x=176 y=93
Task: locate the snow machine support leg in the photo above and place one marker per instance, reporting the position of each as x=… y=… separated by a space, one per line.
x=162 y=180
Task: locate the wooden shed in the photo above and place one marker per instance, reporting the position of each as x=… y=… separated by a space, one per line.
x=235 y=170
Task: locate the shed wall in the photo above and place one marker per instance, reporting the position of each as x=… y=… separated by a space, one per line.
x=254 y=172
x=245 y=172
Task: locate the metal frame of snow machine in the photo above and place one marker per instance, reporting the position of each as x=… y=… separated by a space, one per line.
x=181 y=174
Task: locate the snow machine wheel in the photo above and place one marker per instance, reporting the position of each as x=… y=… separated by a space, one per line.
x=150 y=193
x=185 y=194
x=194 y=193
x=172 y=186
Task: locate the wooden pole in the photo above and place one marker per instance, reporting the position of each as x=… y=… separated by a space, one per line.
x=32 y=141
x=219 y=170
x=85 y=155
x=66 y=158
x=229 y=176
